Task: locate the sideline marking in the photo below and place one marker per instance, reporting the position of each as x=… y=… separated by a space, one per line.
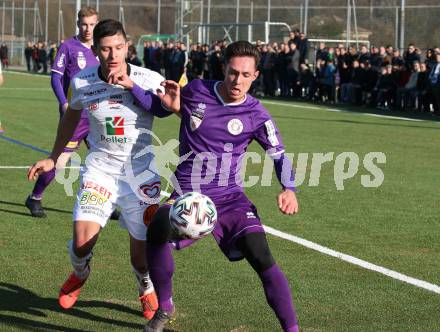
x=11 y=140
x=24 y=74
x=343 y=111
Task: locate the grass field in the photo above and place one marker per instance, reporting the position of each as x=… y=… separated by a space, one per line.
x=396 y=225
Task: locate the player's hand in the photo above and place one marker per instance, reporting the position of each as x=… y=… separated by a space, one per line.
x=171 y=98
x=65 y=106
x=287 y=202
x=39 y=167
x=121 y=78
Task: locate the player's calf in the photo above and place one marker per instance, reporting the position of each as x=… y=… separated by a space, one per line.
x=71 y=288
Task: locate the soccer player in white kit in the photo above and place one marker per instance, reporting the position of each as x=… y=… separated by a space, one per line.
x=116 y=171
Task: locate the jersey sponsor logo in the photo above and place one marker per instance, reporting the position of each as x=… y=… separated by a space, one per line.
x=114 y=125
x=115 y=99
x=94 y=92
x=84 y=77
x=150 y=190
x=94 y=105
x=92 y=198
x=104 y=192
x=81 y=60
x=271 y=133
x=60 y=62
x=235 y=127
x=116 y=139
x=197 y=116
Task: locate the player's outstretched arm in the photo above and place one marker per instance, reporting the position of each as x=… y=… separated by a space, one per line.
x=66 y=127
x=287 y=202
x=170 y=100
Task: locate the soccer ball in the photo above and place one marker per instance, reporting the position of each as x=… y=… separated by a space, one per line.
x=193 y=215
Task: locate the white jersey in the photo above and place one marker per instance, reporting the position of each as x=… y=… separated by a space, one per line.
x=119 y=127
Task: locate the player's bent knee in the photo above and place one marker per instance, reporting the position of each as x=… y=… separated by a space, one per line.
x=85 y=237
x=256 y=250
x=159 y=229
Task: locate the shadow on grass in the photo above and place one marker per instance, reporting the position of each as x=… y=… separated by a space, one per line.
x=28 y=214
x=15 y=299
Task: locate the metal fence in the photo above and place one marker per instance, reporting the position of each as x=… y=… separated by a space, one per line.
x=382 y=22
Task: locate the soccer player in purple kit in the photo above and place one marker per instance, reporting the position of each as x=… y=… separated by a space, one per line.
x=219 y=118
x=74 y=55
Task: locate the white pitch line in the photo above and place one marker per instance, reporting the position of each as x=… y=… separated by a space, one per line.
x=353 y=260
x=26 y=167
x=347 y=258
x=342 y=111
x=28 y=89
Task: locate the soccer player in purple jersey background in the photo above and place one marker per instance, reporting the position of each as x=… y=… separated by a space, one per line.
x=218 y=122
x=74 y=55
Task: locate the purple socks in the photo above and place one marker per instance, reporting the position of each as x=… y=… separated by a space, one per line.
x=42 y=182
x=276 y=287
x=161 y=265
x=278 y=296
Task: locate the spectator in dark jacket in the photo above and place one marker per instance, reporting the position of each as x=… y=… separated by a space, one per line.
x=434 y=84
x=4 y=57
x=292 y=65
x=132 y=57
x=28 y=55
x=42 y=56
x=422 y=88
x=410 y=57
x=303 y=47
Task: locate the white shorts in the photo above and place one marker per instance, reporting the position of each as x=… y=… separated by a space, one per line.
x=100 y=193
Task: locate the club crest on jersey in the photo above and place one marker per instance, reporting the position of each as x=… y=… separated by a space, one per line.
x=81 y=60
x=235 y=126
x=197 y=116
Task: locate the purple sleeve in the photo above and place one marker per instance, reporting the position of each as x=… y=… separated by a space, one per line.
x=57 y=87
x=149 y=101
x=61 y=59
x=285 y=172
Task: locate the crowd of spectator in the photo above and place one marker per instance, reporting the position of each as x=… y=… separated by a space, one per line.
x=39 y=56
x=379 y=77
x=376 y=77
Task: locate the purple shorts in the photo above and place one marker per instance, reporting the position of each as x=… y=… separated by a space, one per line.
x=79 y=134
x=237 y=216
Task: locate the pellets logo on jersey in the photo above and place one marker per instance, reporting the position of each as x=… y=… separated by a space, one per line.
x=81 y=60
x=114 y=125
x=197 y=116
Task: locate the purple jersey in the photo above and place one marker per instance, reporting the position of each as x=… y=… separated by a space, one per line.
x=72 y=57
x=214 y=137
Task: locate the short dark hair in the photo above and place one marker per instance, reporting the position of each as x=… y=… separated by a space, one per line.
x=242 y=48
x=86 y=12
x=107 y=28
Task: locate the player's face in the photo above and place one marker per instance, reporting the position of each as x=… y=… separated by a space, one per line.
x=86 y=26
x=240 y=72
x=112 y=52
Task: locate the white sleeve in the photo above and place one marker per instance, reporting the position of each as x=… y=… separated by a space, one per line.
x=76 y=101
